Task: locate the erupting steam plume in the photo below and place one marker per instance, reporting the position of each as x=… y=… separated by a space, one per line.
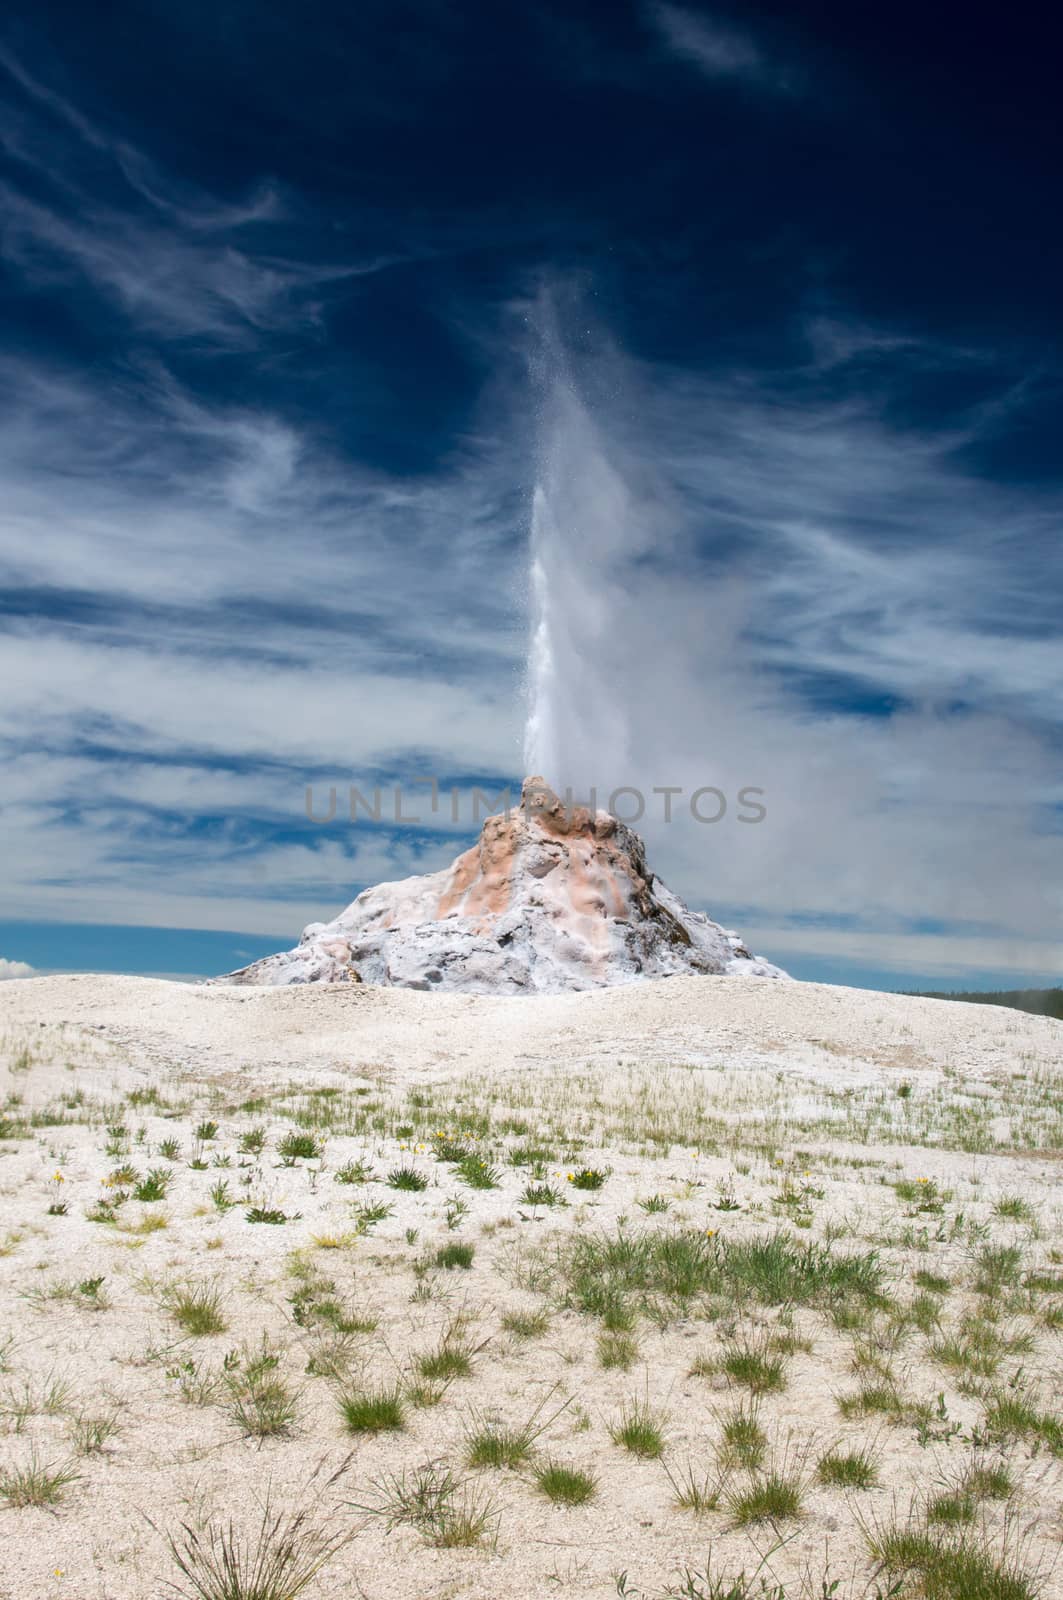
x=585 y=524
x=552 y=896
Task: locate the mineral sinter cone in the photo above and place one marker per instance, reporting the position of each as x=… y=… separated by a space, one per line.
x=551 y=898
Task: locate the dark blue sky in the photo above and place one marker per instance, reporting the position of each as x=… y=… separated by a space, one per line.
x=273 y=286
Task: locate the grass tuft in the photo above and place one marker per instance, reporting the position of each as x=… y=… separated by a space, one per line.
x=261 y=1403
x=526 y=1324
x=454 y=1255
x=743 y=1440
x=565 y=1486
x=950 y=1566
x=448 y=1512
x=699 y=1492
x=617 y=1350
x=777 y=1496
x=374 y=1410
x=848 y=1469
x=37 y=1482
x=639 y=1429
x=276 y=1561
x=407 y=1178
x=196 y=1308
x=751 y=1364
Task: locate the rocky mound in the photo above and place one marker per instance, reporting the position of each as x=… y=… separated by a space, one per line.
x=550 y=898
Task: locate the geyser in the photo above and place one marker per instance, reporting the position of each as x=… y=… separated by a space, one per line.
x=583 y=514
x=551 y=897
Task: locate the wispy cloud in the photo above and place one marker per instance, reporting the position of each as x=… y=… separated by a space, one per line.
x=794 y=590
x=802 y=595
x=717 y=49
x=211 y=597
x=182 y=264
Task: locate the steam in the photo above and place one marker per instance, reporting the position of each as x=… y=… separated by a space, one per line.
x=586 y=530
x=705 y=552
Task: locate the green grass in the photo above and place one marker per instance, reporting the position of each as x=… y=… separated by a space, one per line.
x=372 y=1410
x=933 y=1282
x=565 y=1486
x=36 y=1482
x=948 y=1566
x=980 y=1357
x=88 y=1295
x=675 y=1265
x=495 y=1446
x=541 y=1194
x=751 y=1365
x=452 y=1151
x=990 y=1480
x=526 y=1324
x=196 y=1308
x=449 y=1513
x=371 y=1212
x=639 y=1429
x=353 y=1172
x=997 y=1267
x=491 y=1443
x=1011 y=1414
x=924 y=1311
x=261 y=1403
x=952 y=1507
x=478 y=1173
x=743 y=1440
x=423 y=1394
x=406 y=1178
x=923 y=1193
x=450 y=1360
x=532 y=1155
x=275 y=1561
x=154 y=1185
x=872 y=1399
x=196 y=1385
x=694 y=1490
x=221 y=1197
x=617 y=1350
x=776 y=1496
x=297 y=1145
x=848 y=1469
x=455 y=1255
x=588 y=1178
x=90 y=1431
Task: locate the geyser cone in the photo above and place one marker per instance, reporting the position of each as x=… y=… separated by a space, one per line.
x=549 y=898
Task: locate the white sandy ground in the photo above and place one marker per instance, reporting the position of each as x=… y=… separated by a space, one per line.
x=782 y=1096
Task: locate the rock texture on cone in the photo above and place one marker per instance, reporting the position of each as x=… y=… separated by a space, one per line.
x=549 y=898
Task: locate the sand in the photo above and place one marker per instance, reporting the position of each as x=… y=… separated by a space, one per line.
x=736 y=1105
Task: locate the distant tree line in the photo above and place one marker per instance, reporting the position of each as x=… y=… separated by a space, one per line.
x=1042 y=1002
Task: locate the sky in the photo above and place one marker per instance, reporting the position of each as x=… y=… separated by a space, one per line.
x=306 y=318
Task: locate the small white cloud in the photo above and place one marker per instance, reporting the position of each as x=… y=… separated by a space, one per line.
x=15 y=969
x=716 y=49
